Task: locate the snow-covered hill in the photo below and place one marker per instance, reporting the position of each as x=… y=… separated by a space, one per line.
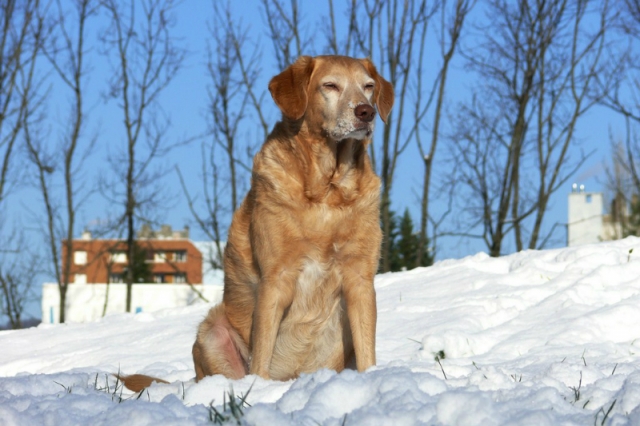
x=537 y=338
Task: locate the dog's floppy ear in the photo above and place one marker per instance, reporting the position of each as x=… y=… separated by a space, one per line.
x=383 y=92
x=289 y=88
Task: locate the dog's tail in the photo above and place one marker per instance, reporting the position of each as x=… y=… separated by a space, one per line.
x=138 y=382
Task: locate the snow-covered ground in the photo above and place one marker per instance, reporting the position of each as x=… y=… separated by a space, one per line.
x=536 y=338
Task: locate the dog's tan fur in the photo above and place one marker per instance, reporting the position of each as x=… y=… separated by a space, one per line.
x=303 y=247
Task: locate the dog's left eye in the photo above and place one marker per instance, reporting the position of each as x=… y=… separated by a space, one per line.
x=368 y=86
x=331 y=86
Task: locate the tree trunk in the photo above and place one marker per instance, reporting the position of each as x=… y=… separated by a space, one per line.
x=424 y=210
x=63 y=304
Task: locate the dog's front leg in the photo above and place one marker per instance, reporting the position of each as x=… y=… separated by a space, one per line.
x=273 y=298
x=361 y=311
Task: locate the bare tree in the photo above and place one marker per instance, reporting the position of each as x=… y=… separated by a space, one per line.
x=17 y=52
x=566 y=90
x=146 y=59
x=625 y=100
x=509 y=56
x=228 y=97
x=66 y=53
x=19 y=269
x=389 y=33
x=451 y=24
x=477 y=170
x=539 y=63
x=285 y=31
x=209 y=222
x=334 y=45
x=235 y=103
x=18 y=272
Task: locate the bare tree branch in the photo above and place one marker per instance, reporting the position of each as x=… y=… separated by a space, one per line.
x=147 y=60
x=17 y=279
x=539 y=64
x=17 y=53
x=448 y=46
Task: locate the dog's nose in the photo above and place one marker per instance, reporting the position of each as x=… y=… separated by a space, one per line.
x=365 y=112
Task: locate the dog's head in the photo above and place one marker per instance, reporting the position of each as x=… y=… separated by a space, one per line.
x=334 y=95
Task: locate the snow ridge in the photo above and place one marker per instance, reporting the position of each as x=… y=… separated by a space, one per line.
x=539 y=337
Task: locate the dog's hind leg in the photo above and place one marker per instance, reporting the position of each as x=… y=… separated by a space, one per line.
x=219 y=349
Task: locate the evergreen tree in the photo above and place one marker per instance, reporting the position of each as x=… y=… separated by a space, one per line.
x=632 y=225
x=407 y=244
x=404 y=244
x=141 y=268
x=428 y=253
x=394 y=259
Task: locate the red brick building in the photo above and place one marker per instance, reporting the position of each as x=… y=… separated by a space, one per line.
x=172 y=257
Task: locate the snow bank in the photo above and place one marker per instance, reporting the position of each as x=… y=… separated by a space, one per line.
x=539 y=337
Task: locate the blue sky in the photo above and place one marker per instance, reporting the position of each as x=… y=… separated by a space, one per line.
x=185 y=101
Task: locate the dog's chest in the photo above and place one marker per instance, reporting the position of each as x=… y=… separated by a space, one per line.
x=316 y=305
x=310 y=335
x=312 y=274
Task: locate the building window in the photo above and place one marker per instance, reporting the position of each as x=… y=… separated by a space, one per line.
x=116 y=278
x=159 y=278
x=180 y=278
x=159 y=257
x=589 y=199
x=80 y=257
x=80 y=279
x=118 y=257
x=180 y=256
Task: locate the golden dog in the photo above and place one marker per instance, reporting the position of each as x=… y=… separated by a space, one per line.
x=303 y=247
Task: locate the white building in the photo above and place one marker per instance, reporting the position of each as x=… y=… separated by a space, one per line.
x=89 y=302
x=585 y=217
x=588 y=222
